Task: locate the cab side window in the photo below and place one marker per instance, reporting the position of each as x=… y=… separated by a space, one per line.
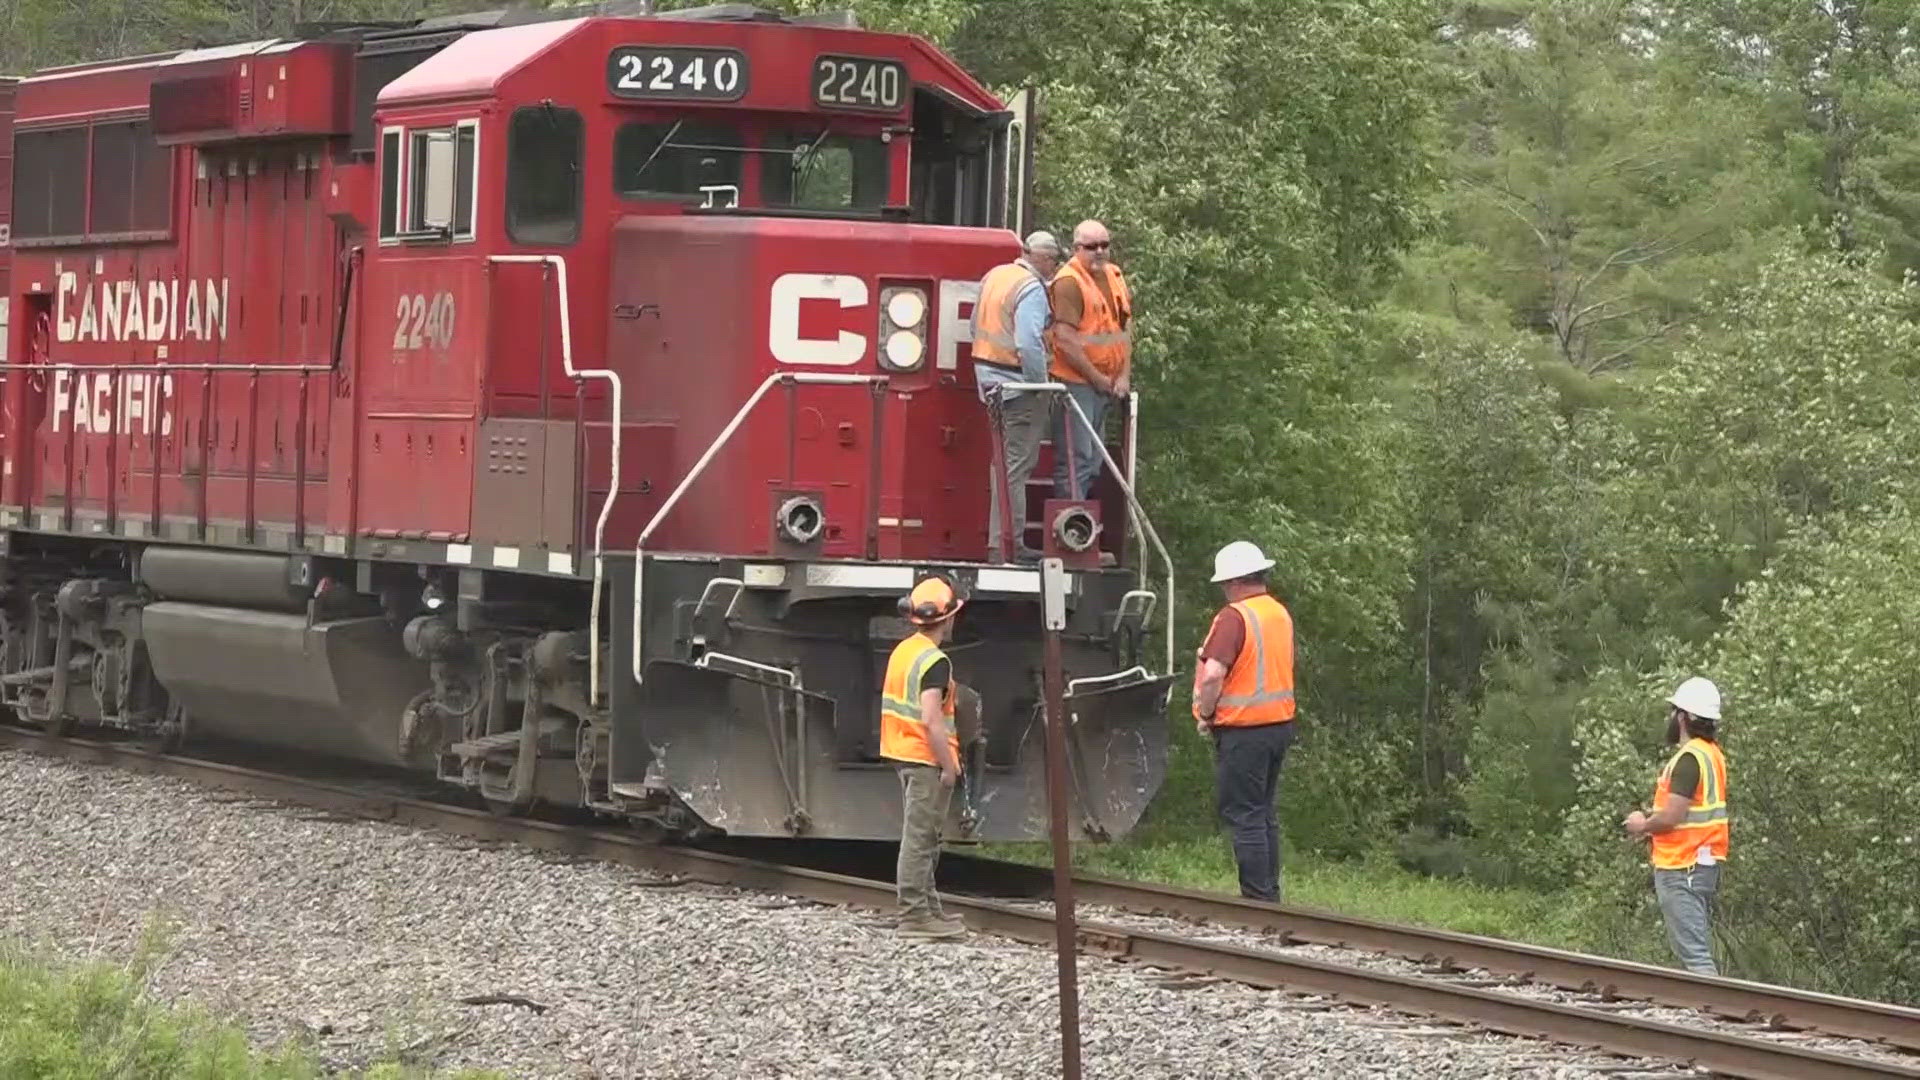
x=544 y=148
x=429 y=182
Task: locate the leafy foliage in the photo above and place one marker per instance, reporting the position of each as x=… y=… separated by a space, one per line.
x=1824 y=764
x=1594 y=188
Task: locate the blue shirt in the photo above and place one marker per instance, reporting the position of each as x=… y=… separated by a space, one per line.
x=1030 y=316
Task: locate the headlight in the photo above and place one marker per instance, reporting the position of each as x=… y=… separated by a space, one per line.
x=904 y=350
x=903 y=328
x=907 y=307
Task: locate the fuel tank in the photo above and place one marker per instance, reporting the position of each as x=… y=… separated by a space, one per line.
x=270 y=679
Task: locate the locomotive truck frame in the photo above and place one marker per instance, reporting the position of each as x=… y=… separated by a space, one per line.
x=552 y=403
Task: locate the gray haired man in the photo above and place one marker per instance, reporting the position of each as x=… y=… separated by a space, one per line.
x=1010 y=321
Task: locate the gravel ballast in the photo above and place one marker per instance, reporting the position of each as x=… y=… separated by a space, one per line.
x=361 y=937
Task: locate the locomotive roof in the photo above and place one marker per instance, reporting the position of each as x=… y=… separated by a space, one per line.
x=470 y=54
x=381 y=36
x=477 y=63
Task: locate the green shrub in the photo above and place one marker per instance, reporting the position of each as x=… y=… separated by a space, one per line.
x=61 y=1020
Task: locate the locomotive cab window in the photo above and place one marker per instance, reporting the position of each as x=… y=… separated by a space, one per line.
x=958 y=168
x=678 y=159
x=429 y=182
x=544 y=149
x=818 y=170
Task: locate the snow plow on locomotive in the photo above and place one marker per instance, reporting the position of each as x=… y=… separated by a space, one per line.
x=553 y=405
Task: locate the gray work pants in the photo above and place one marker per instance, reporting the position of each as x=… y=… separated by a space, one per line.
x=1686 y=905
x=1022 y=420
x=924 y=801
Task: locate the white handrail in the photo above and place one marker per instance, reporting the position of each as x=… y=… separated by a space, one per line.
x=1126 y=488
x=720 y=440
x=1133 y=436
x=608 y=375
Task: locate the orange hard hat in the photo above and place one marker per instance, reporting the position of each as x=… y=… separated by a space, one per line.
x=931 y=602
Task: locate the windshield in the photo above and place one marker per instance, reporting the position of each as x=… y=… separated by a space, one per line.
x=803 y=168
x=824 y=172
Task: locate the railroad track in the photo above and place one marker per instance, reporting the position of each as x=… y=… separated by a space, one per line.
x=1442 y=952
x=1721 y=1052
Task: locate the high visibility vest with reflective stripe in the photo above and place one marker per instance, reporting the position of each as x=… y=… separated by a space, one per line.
x=1106 y=342
x=903 y=735
x=993 y=322
x=1706 y=823
x=1259 y=685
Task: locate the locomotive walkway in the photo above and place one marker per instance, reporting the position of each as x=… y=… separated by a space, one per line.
x=1769 y=1037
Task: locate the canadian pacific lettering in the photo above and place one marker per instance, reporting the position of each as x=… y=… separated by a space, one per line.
x=94 y=401
x=158 y=309
x=846 y=346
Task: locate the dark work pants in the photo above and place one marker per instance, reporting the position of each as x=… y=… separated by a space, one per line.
x=1246 y=774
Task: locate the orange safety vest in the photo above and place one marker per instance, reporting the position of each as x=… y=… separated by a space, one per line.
x=993 y=324
x=1705 y=825
x=903 y=734
x=1259 y=686
x=1105 y=340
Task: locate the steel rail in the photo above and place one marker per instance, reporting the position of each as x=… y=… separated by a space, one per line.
x=1734 y=999
x=1731 y=1054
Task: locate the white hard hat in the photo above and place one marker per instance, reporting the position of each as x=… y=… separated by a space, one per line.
x=1237 y=560
x=1697 y=696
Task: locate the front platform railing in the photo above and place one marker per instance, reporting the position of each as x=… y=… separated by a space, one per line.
x=726 y=435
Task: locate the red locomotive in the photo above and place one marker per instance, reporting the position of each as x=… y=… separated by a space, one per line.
x=554 y=404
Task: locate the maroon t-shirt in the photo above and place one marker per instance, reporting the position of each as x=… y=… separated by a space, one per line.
x=1228 y=634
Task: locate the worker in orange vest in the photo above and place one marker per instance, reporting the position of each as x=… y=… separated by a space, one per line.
x=917 y=734
x=1092 y=353
x=1688 y=824
x=1010 y=333
x=1243 y=698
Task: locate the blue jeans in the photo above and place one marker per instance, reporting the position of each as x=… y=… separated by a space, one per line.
x=1086 y=449
x=1686 y=905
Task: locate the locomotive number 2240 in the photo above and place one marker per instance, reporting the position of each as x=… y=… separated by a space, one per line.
x=422 y=322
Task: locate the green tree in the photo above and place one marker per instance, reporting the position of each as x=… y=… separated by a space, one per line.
x=1818 y=672
x=1595 y=183
x=1833 y=87
x=42 y=33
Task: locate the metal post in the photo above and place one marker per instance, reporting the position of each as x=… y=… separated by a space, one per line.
x=1053 y=582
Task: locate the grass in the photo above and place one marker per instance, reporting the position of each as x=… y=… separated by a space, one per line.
x=1372 y=888
x=61 y=1020
x=1174 y=846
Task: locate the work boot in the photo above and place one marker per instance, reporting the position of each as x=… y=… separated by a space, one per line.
x=930 y=928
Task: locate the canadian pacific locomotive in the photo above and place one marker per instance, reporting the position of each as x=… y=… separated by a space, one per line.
x=551 y=404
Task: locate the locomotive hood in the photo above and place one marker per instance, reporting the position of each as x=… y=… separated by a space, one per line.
x=806 y=294
x=810 y=296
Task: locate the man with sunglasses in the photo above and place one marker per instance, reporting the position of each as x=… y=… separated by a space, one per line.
x=1092 y=352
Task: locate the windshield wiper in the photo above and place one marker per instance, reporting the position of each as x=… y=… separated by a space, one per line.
x=803 y=159
x=665 y=141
